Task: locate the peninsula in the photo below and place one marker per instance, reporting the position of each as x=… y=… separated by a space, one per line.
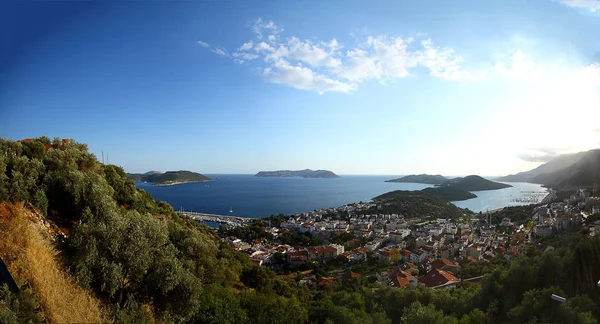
x=168 y=178
x=300 y=173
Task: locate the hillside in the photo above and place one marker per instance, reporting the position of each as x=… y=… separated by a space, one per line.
x=449 y=193
x=585 y=173
x=168 y=178
x=418 y=204
x=475 y=183
x=557 y=164
x=571 y=171
x=421 y=178
x=143 y=262
x=307 y=173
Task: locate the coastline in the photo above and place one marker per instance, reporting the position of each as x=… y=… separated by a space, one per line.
x=174 y=183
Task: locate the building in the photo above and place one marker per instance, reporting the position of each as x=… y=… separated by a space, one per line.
x=542 y=230
x=437 y=277
x=444 y=264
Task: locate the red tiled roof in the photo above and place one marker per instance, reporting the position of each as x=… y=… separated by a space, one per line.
x=409 y=265
x=441 y=263
x=400 y=282
x=352 y=275
x=437 y=277
x=326 y=282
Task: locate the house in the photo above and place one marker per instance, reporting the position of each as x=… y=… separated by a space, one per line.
x=297 y=257
x=351 y=276
x=404 y=256
x=437 y=277
x=410 y=268
x=401 y=278
x=542 y=230
x=418 y=255
x=399 y=235
x=400 y=282
x=444 y=264
x=324 y=282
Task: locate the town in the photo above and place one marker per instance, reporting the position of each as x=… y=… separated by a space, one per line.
x=319 y=247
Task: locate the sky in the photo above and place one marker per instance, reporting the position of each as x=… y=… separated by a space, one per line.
x=382 y=87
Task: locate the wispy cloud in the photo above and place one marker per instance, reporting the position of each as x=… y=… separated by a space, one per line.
x=328 y=66
x=270 y=27
x=220 y=51
x=203 y=44
x=537 y=158
x=591 y=5
x=544 y=154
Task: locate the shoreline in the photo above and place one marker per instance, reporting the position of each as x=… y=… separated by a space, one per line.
x=177 y=183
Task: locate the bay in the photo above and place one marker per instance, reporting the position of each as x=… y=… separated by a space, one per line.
x=250 y=196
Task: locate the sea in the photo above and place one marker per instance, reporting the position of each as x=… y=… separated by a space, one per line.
x=255 y=197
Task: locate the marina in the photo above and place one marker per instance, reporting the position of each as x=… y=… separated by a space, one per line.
x=227 y=220
x=530 y=197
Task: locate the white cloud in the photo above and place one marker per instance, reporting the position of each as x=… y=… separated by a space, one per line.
x=591 y=5
x=247 y=46
x=240 y=57
x=259 y=25
x=203 y=44
x=220 y=51
x=304 y=78
x=324 y=66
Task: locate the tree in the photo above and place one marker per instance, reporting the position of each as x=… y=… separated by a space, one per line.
x=417 y=313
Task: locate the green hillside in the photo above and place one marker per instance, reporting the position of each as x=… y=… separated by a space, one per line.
x=475 y=183
x=449 y=193
x=418 y=204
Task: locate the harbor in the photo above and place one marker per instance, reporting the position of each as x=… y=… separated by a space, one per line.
x=229 y=221
x=530 y=197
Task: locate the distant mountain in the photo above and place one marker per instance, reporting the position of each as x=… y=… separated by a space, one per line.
x=584 y=173
x=300 y=173
x=168 y=178
x=417 y=204
x=475 y=183
x=421 y=178
x=559 y=163
x=570 y=171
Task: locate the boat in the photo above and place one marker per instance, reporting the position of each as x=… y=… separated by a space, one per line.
x=230 y=209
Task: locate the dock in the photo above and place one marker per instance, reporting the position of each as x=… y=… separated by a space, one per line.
x=227 y=220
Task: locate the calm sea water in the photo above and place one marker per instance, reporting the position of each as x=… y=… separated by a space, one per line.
x=257 y=197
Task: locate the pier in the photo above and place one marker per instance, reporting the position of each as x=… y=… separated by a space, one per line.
x=227 y=220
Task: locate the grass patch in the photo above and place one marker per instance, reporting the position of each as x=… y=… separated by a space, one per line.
x=32 y=260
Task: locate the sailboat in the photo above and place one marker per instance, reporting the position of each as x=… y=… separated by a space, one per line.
x=231 y=209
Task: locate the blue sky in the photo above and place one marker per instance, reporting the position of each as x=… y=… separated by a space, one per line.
x=386 y=87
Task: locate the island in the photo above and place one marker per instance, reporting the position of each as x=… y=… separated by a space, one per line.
x=168 y=178
x=421 y=178
x=307 y=173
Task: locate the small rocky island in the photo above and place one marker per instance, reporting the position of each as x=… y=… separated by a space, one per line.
x=307 y=173
x=168 y=178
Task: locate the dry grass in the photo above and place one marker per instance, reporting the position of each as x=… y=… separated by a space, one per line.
x=32 y=259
